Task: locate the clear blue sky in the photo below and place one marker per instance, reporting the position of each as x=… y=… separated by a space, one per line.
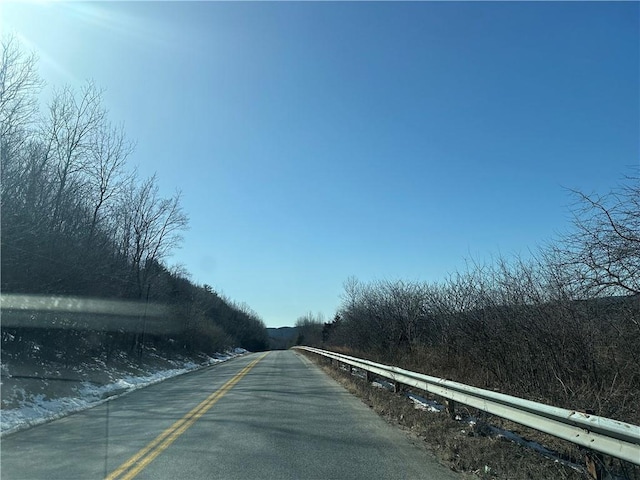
x=316 y=141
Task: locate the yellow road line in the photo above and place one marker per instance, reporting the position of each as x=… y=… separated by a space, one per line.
x=145 y=456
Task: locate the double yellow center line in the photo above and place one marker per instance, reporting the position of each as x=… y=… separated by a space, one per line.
x=144 y=457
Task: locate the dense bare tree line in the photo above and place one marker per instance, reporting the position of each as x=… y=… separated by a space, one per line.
x=77 y=220
x=561 y=326
x=309 y=329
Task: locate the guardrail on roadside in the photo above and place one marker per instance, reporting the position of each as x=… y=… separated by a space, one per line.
x=601 y=434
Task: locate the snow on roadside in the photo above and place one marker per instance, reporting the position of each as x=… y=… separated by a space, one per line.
x=380 y=383
x=36 y=409
x=422 y=403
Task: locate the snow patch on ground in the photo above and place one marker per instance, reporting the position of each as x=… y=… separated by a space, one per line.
x=379 y=383
x=425 y=404
x=35 y=409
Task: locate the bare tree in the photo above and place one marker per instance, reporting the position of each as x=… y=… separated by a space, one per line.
x=310 y=329
x=106 y=170
x=70 y=132
x=19 y=88
x=156 y=224
x=603 y=251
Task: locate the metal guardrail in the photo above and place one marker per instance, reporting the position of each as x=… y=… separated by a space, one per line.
x=604 y=435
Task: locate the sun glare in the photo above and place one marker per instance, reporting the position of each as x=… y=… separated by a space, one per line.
x=49 y=27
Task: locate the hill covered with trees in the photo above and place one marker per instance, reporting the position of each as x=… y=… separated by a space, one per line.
x=77 y=221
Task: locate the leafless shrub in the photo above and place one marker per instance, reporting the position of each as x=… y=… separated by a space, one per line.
x=554 y=327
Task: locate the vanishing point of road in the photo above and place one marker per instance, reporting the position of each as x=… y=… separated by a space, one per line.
x=261 y=416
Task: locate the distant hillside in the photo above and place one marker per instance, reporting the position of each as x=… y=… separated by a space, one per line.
x=282 y=338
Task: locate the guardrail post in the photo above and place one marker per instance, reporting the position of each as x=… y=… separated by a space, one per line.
x=593 y=460
x=397 y=387
x=451 y=408
x=369 y=376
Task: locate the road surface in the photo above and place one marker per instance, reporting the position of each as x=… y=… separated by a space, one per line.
x=260 y=416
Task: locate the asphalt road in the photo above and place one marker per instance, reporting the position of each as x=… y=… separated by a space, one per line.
x=260 y=416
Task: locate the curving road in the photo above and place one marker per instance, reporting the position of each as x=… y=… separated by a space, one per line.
x=260 y=416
